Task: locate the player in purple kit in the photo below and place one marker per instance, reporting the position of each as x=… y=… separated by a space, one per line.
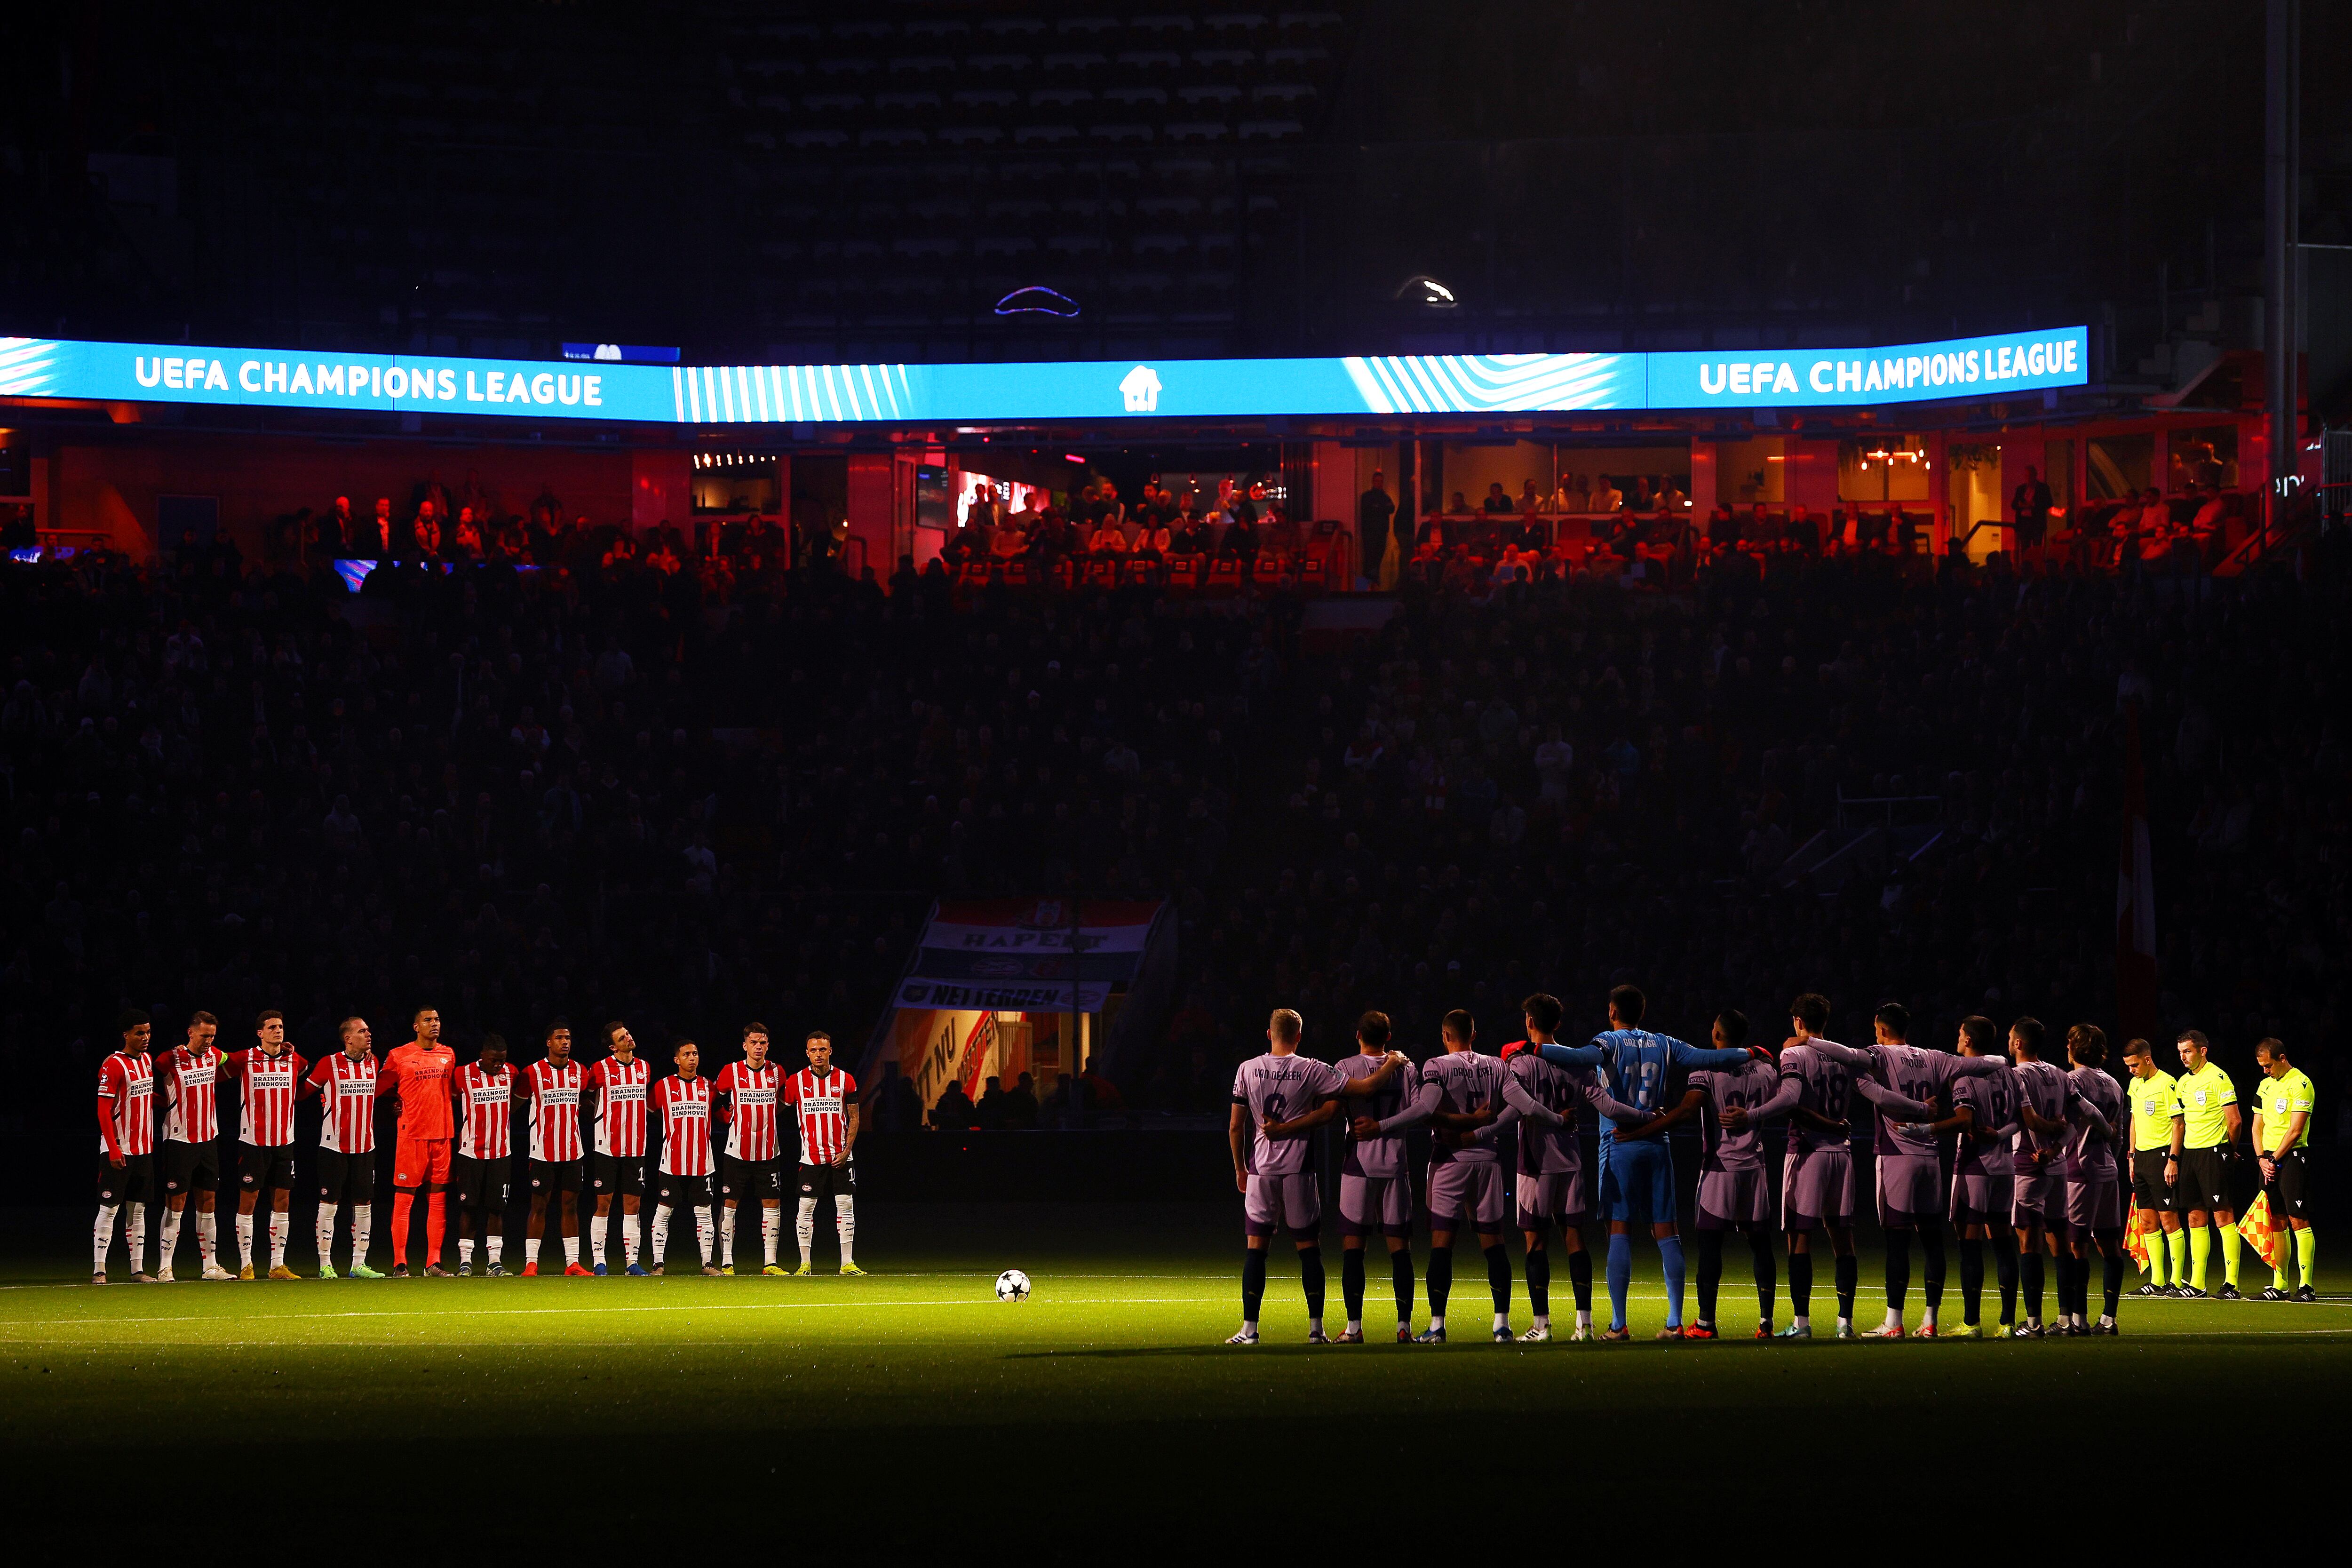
x=1984 y=1114
x=1461 y=1095
x=1375 y=1189
x=2094 y=1207
x=1910 y=1162
x=1817 y=1184
x=1734 y=1188
x=1278 y=1099
x=2040 y=1215
x=1552 y=1189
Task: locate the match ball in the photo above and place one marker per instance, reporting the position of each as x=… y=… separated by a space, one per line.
x=1013 y=1286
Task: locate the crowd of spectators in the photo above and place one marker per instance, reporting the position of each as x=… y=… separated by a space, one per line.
x=688 y=797
x=1236 y=519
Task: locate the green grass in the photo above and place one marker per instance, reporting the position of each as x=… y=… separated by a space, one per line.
x=918 y=1397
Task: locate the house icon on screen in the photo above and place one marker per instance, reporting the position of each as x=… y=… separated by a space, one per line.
x=1141 y=387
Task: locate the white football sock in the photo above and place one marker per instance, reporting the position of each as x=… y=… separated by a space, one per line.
x=1928 y=1321
x=1803 y=1321
x=1355 y=1325
x=661 y=1234
x=277 y=1227
x=171 y=1235
x=702 y=1232
x=362 y=1226
x=326 y=1236
x=1438 y=1319
x=1584 y=1317
x=530 y=1248
x=208 y=1235
x=804 y=1229
x=135 y=1235
x=245 y=1239
x=495 y=1244
x=844 y=1220
x=771 y=1219
x=465 y=1250
x=629 y=1240
x=103 y=1240
x=1502 y=1319
x=597 y=1227
x=1543 y=1320
x=727 y=1237
x=571 y=1251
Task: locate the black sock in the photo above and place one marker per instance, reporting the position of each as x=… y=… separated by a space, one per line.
x=1580 y=1275
x=1849 y=1275
x=1310 y=1275
x=1253 y=1282
x=1498 y=1277
x=1898 y=1269
x=1539 y=1281
x=1352 y=1282
x=2111 y=1277
x=2004 y=1264
x=1971 y=1279
x=1760 y=1253
x=1441 y=1279
x=1710 y=1273
x=1931 y=1276
x=2030 y=1266
x=2079 y=1286
x=1800 y=1284
x=1400 y=1277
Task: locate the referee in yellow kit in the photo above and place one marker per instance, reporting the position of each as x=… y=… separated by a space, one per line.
x=2210 y=1122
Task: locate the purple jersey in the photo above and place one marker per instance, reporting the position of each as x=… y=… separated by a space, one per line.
x=2044 y=1088
x=1746 y=1086
x=1826 y=1089
x=1466 y=1083
x=1546 y=1150
x=1992 y=1099
x=2090 y=1156
x=1282 y=1088
x=1383 y=1156
x=1919 y=1074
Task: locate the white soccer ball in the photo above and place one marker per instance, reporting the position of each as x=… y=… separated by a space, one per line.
x=1013 y=1286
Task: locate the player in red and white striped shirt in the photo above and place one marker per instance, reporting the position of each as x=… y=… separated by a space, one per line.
x=745 y=1096
x=680 y=1105
x=187 y=1077
x=616 y=1094
x=551 y=1091
x=267 y=1077
x=345 y=1083
x=126 y=1146
x=826 y=1099
x=483 y=1171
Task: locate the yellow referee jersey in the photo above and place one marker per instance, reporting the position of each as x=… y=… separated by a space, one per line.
x=2155 y=1101
x=2202 y=1094
x=2278 y=1098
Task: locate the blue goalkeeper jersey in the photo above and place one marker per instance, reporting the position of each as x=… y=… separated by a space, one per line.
x=1639 y=1066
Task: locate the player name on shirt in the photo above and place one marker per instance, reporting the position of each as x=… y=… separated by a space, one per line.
x=1466 y=1084
x=1282 y=1088
x=1382 y=1154
x=1746 y=1087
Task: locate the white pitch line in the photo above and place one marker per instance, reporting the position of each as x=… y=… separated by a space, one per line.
x=604 y=1311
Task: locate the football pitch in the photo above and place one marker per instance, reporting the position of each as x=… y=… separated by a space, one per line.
x=913 y=1401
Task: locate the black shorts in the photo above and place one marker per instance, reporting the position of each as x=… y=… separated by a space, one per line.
x=740 y=1180
x=554 y=1176
x=131 y=1183
x=622 y=1173
x=265 y=1170
x=189 y=1167
x=2290 y=1188
x=346 y=1178
x=482 y=1183
x=2204 y=1181
x=829 y=1181
x=672 y=1191
x=2149 y=1189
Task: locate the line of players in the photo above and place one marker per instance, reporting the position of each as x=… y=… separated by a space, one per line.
x=584 y=1130
x=2015 y=1152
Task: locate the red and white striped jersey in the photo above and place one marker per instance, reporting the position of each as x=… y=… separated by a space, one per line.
x=822 y=1101
x=126 y=1098
x=346 y=1101
x=684 y=1106
x=266 y=1087
x=485 y=1112
x=751 y=1094
x=191 y=1095
x=620 y=1088
x=554 y=1096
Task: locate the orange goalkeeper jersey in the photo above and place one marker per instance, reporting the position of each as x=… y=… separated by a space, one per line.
x=420 y=1075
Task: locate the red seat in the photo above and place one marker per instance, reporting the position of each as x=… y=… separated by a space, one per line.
x=1185 y=572
x=1016 y=573
x=1103 y=574
x=1225 y=576
x=1270 y=571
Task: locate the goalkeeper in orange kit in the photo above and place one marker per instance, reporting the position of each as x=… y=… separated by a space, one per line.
x=417 y=1077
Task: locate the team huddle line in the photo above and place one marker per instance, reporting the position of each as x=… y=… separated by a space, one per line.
x=583 y=1130
x=2016 y=1154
